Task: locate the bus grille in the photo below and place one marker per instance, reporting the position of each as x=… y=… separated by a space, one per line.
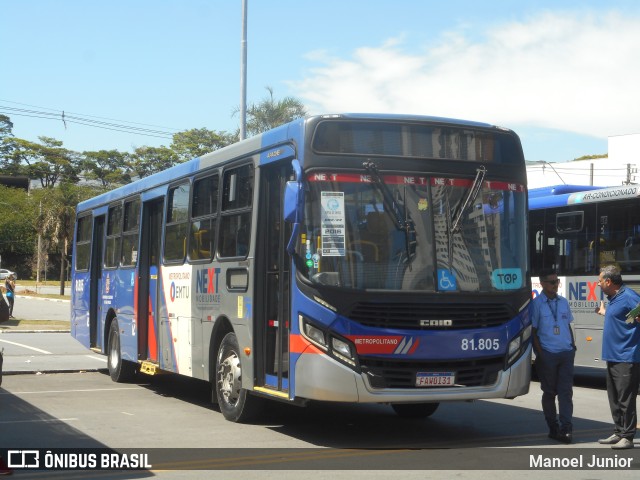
x=402 y=374
x=430 y=316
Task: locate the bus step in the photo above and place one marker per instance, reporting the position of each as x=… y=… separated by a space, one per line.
x=271 y=391
x=150 y=368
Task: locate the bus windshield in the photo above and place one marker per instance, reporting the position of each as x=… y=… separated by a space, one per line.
x=394 y=232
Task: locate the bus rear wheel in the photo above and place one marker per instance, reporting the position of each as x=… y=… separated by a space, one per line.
x=414 y=410
x=120 y=370
x=236 y=404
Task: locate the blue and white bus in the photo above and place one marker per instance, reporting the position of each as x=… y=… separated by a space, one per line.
x=576 y=230
x=344 y=258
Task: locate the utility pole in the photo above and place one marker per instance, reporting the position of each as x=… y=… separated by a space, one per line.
x=243 y=73
x=39 y=249
x=630 y=171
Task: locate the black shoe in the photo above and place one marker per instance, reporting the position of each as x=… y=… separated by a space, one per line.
x=565 y=437
x=554 y=434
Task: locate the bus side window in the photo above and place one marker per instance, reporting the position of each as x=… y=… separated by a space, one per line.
x=235 y=222
x=114 y=237
x=204 y=212
x=177 y=223
x=631 y=253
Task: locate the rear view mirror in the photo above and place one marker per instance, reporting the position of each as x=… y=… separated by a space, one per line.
x=292 y=202
x=294 y=196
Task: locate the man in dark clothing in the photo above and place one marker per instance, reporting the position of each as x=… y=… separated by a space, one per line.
x=621 y=350
x=554 y=346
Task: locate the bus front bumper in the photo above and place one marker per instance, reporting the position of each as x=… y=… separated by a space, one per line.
x=319 y=377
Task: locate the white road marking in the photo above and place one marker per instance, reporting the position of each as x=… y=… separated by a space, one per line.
x=16 y=393
x=100 y=359
x=26 y=346
x=44 y=420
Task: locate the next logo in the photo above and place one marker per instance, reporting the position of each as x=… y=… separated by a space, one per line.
x=586 y=291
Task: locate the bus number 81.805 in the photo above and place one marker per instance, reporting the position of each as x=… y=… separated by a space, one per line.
x=480 y=344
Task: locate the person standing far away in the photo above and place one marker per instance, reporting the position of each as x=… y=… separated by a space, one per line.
x=621 y=350
x=554 y=346
x=10 y=286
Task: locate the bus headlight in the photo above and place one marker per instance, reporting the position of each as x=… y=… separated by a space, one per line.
x=342 y=350
x=313 y=333
x=518 y=345
x=337 y=347
x=514 y=346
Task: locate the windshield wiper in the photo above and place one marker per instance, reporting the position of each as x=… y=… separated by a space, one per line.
x=399 y=215
x=472 y=194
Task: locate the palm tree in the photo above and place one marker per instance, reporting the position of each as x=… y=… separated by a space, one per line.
x=270 y=113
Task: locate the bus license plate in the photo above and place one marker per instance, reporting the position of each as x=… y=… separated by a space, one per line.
x=435 y=379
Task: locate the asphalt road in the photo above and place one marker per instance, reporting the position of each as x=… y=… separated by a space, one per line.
x=36 y=308
x=73 y=403
x=171 y=417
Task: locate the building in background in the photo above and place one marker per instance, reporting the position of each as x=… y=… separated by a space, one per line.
x=619 y=168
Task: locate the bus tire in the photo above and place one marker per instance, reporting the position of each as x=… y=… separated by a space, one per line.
x=120 y=370
x=235 y=402
x=414 y=410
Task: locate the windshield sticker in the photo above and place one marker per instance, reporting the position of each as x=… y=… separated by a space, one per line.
x=446 y=281
x=366 y=178
x=507 y=278
x=332 y=223
x=467 y=183
x=414 y=180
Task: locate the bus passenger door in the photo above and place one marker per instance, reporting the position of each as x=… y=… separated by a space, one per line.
x=147 y=296
x=272 y=282
x=95 y=288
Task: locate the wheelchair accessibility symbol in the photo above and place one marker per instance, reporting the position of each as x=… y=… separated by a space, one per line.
x=446 y=281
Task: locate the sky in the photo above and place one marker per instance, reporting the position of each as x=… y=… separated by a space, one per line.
x=563 y=74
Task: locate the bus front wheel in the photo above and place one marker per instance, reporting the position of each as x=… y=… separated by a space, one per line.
x=236 y=404
x=120 y=370
x=414 y=410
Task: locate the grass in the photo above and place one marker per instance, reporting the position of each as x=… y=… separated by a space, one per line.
x=30 y=287
x=18 y=324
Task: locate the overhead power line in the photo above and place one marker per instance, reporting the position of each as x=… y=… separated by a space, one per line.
x=88 y=120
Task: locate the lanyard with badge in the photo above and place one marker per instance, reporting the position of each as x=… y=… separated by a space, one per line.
x=554 y=311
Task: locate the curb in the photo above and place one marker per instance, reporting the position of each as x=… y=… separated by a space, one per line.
x=61 y=300
x=66 y=370
x=34 y=331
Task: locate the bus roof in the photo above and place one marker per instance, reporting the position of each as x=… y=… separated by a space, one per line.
x=279 y=135
x=559 y=190
x=562 y=195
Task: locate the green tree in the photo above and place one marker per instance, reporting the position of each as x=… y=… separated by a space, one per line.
x=148 y=160
x=6 y=132
x=199 y=141
x=270 y=113
x=110 y=167
x=57 y=208
x=18 y=152
x=17 y=231
x=592 y=157
x=48 y=161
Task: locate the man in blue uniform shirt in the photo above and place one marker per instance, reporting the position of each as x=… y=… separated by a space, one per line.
x=621 y=350
x=554 y=346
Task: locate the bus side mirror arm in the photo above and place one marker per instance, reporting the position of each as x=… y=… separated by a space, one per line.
x=291 y=246
x=293 y=205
